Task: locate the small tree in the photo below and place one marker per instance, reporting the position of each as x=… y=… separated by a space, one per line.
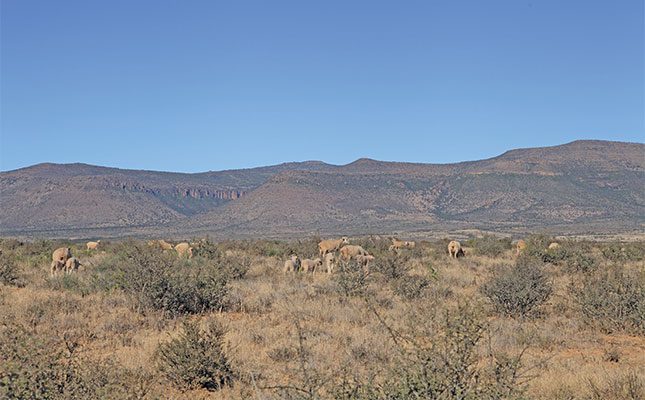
x=517 y=291
x=196 y=359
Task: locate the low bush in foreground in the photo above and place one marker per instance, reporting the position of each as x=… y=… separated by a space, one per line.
x=438 y=359
x=613 y=300
x=196 y=359
x=36 y=366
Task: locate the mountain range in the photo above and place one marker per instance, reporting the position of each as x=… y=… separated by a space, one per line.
x=580 y=187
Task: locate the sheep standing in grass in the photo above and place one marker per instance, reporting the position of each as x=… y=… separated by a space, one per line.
x=308 y=265
x=62 y=254
x=397 y=245
x=56 y=266
x=330 y=262
x=72 y=265
x=165 y=245
x=292 y=264
x=331 y=245
x=184 y=250
x=351 y=251
x=93 y=245
x=364 y=261
x=455 y=250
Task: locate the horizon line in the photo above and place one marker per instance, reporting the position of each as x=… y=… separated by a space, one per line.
x=311 y=161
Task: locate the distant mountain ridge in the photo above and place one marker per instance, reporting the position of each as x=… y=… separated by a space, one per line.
x=593 y=186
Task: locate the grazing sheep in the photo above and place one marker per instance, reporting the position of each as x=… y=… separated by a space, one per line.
x=455 y=250
x=184 y=249
x=554 y=246
x=400 y=244
x=160 y=244
x=520 y=247
x=292 y=264
x=331 y=245
x=72 y=265
x=350 y=251
x=164 y=245
x=56 y=266
x=364 y=261
x=62 y=254
x=93 y=245
x=330 y=262
x=308 y=265
x=396 y=244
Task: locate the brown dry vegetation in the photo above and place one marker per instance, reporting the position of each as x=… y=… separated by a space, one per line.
x=136 y=322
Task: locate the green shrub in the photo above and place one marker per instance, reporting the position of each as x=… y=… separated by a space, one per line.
x=613 y=300
x=581 y=261
x=439 y=248
x=162 y=282
x=10 y=273
x=234 y=266
x=621 y=252
x=557 y=256
x=447 y=365
x=196 y=359
x=410 y=286
x=392 y=266
x=208 y=249
x=536 y=248
x=71 y=283
x=573 y=255
x=376 y=246
x=10 y=244
x=34 y=366
x=517 y=291
x=489 y=245
x=351 y=279
x=29 y=366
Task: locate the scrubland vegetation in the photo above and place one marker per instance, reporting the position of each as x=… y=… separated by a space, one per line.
x=138 y=322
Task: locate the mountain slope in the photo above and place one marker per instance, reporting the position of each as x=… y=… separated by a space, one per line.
x=53 y=197
x=572 y=187
x=583 y=185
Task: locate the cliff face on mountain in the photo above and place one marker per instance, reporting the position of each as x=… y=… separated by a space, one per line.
x=584 y=185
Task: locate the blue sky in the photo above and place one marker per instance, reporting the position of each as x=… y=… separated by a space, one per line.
x=208 y=85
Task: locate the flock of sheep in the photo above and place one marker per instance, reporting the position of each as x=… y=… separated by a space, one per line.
x=63 y=261
x=330 y=252
x=183 y=249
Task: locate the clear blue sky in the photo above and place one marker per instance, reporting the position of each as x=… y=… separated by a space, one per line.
x=208 y=85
